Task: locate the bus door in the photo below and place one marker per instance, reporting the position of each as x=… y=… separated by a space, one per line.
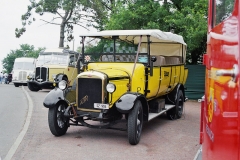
x=221 y=110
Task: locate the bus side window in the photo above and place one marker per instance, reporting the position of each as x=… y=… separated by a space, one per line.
x=71 y=60
x=223 y=9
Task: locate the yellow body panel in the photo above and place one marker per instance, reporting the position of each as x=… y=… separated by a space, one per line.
x=119 y=69
x=70 y=71
x=163 y=80
x=121 y=88
x=154 y=82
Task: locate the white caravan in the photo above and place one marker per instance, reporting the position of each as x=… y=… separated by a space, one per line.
x=21 y=69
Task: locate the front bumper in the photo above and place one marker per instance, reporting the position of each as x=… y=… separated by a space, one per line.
x=43 y=85
x=20 y=82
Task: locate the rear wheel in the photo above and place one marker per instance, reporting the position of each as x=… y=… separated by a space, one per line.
x=179 y=104
x=177 y=111
x=135 y=122
x=58 y=124
x=32 y=87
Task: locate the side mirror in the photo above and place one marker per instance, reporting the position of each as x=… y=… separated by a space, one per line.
x=153 y=59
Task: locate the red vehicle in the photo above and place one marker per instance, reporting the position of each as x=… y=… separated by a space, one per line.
x=220 y=122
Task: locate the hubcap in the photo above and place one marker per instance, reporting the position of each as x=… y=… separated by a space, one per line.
x=139 y=124
x=180 y=106
x=60 y=119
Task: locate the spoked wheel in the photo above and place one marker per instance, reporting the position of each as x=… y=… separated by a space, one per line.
x=58 y=124
x=177 y=111
x=135 y=122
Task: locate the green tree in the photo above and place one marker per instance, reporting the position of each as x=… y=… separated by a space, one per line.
x=69 y=12
x=25 y=50
x=190 y=21
x=186 y=17
x=100 y=11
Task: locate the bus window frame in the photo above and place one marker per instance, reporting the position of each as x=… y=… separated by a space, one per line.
x=214 y=13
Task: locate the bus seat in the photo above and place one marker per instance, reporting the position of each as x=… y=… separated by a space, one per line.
x=179 y=57
x=160 y=61
x=172 y=60
x=104 y=58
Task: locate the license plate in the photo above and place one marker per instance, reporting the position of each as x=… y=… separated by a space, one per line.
x=101 y=106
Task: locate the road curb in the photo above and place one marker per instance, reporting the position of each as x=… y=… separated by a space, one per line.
x=19 y=139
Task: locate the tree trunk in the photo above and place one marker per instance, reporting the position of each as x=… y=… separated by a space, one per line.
x=62 y=27
x=195 y=56
x=61 y=41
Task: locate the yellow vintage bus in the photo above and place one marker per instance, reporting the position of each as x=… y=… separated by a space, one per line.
x=135 y=76
x=50 y=63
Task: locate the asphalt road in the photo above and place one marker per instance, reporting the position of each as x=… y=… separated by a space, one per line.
x=161 y=138
x=13 y=109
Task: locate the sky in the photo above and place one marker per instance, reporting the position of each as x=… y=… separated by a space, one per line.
x=37 y=34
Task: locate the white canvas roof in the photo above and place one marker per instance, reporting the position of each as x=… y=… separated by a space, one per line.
x=162 y=43
x=133 y=35
x=54 y=50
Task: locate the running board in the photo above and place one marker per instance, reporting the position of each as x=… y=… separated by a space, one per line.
x=154 y=115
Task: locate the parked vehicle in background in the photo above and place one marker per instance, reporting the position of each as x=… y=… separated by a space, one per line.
x=136 y=74
x=8 y=79
x=21 y=69
x=50 y=63
x=220 y=113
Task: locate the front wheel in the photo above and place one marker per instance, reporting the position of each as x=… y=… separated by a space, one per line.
x=135 y=122
x=58 y=124
x=32 y=87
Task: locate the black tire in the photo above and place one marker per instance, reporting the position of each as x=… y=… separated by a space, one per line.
x=16 y=84
x=32 y=87
x=177 y=111
x=58 y=124
x=135 y=122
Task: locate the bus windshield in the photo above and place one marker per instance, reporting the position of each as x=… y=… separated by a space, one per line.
x=103 y=51
x=24 y=66
x=52 y=58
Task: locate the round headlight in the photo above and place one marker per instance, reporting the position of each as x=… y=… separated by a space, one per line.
x=53 y=76
x=110 y=87
x=62 y=85
x=31 y=75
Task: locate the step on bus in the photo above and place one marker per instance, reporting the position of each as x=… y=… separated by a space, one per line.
x=21 y=69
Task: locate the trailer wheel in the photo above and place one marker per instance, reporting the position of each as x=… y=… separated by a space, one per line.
x=135 y=122
x=176 y=112
x=58 y=124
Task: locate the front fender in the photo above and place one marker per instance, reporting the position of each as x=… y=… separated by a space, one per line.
x=60 y=77
x=172 y=96
x=126 y=102
x=53 y=97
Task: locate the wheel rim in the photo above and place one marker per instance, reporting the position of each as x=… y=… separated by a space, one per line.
x=139 y=123
x=60 y=118
x=180 y=105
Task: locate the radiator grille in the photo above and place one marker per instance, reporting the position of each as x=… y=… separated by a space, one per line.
x=41 y=73
x=89 y=92
x=22 y=76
